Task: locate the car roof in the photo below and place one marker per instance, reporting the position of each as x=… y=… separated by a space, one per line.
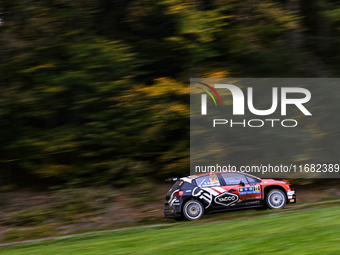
x=221 y=172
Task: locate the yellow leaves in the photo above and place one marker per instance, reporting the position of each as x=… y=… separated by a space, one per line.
x=54 y=170
x=74 y=32
x=165 y=86
x=177 y=39
x=302 y=157
x=193 y=21
x=37 y=68
x=90 y=154
x=60 y=148
x=179 y=108
x=314 y=131
x=36 y=142
x=181 y=164
x=88 y=100
x=176 y=7
x=333 y=15
x=172 y=111
x=217 y=74
x=59 y=143
x=54 y=89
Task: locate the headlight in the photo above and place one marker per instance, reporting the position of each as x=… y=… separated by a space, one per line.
x=285 y=182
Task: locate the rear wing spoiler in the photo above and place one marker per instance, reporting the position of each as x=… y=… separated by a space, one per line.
x=171 y=179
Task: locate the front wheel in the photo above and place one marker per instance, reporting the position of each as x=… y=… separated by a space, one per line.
x=193 y=210
x=276 y=199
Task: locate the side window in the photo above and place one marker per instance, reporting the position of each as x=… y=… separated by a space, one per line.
x=234 y=178
x=252 y=180
x=208 y=181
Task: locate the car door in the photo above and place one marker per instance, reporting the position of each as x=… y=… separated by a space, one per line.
x=239 y=185
x=208 y=187
x=253 y=190
x=220 y=195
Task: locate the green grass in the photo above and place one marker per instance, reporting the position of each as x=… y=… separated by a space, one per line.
x=306 y=231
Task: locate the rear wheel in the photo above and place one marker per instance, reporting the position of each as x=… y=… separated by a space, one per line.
x=276 y=199
x=193 y=210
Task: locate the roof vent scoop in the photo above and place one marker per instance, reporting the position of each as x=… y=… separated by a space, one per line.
x=171 y=179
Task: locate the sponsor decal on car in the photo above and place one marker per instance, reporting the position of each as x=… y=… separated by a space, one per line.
x=251 y=198
x=202 y=194
x=226 y=199
x=249 y=190
x=257 y=202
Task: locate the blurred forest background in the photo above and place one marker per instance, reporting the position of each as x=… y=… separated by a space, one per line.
x=96 y=92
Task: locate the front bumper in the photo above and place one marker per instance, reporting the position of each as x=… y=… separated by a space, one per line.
x=291 y=197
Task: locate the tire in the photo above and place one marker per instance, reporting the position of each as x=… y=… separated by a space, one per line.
x=193 y=210
x=276 y=199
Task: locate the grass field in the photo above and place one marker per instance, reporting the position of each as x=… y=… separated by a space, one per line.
x=303 y=231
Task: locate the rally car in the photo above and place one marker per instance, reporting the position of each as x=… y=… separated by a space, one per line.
x=191 y=197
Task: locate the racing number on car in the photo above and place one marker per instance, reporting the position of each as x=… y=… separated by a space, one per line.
x=213 y=178
x=257 y=188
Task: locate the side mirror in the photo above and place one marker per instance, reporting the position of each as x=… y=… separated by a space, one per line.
x=242 y=183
